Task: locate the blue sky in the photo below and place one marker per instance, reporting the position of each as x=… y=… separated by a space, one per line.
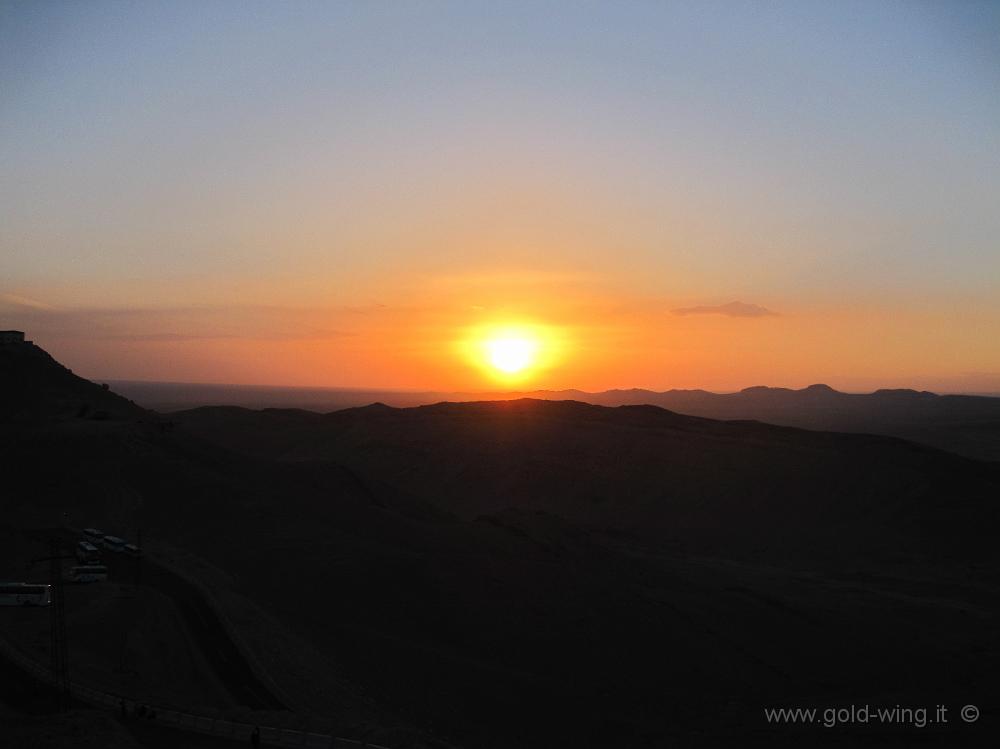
x=800 y=156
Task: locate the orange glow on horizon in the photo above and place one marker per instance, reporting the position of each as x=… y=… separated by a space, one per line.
x=502 y=330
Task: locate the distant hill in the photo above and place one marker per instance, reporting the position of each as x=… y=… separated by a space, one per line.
x=965 y=424
x=643 y=470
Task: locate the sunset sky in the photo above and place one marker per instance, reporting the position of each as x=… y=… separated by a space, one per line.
x=671 y=195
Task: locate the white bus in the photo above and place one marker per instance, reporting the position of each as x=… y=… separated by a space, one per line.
x=25 y=594
x=89 y=573
x=113 y=543
x=87 y=553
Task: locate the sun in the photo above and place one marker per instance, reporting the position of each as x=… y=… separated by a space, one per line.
x=511 y=355
x=511 y=352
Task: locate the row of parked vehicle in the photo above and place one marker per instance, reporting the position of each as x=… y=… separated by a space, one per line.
x=88 y=554
x=97 y=539
x=25 y=594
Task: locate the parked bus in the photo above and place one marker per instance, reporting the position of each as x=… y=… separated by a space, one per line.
x=87 y=553
x=113 y=543
x=25 y=594
x=93 y=535
x=89 y=573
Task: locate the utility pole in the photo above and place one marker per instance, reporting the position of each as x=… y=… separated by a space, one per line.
x=57 y=629
x=57 y=623
x=138 y=559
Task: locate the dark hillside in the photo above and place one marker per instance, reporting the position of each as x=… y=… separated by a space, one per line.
x=965 y=424
x=35 y=387
x=968 y=425
x=539 y=574
x=736 y=485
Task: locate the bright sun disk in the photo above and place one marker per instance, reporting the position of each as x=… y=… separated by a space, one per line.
x=511 y=355
x=511 y=352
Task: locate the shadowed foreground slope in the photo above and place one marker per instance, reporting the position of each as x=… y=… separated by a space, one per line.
x=555 y=574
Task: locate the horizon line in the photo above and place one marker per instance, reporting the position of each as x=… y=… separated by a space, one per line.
x=431 y=391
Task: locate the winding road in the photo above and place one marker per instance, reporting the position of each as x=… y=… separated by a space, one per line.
x=211 y=636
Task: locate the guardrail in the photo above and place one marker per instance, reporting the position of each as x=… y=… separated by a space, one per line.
x=219 y=727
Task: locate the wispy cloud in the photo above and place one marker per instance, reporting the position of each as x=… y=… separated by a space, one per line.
x=732 y=309
x=171 y=324
x=157 y=337
x=22 y=302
